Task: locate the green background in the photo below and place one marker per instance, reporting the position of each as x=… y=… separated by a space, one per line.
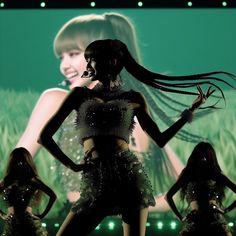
x=173 y=41
x=178 y=41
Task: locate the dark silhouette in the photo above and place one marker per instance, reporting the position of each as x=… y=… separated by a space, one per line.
x=21 y=189
x=202 y=185
x=113 y=180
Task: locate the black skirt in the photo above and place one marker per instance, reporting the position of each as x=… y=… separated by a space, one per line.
x=118 y=183
x=23 y=225
x=208 y=222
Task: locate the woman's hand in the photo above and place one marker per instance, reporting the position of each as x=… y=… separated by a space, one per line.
x=218 y=209
x=201 y=98
x=6 y=216
x=3 y=216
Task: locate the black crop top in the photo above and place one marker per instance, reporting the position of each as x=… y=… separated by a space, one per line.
x=105 y=115
x=203 y=191
x=18 y=195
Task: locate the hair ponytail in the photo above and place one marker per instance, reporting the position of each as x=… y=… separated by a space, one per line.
x=156 y=80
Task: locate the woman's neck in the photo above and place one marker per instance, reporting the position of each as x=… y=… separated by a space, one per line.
x=111 y=86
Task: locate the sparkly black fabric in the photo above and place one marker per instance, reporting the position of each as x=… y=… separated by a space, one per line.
x=68 y=142
x=207 y=222
x=23 y=225
x=96 y=117
x=203 y=190
x=20 y=223
x=118 y=183
x=18 y=195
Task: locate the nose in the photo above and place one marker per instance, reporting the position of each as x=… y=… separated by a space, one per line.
x=65 y=62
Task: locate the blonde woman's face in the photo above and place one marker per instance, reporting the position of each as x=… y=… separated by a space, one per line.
x=72 y=66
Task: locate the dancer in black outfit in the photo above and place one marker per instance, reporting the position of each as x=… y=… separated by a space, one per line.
x=113 y=180
x=21 y=189
x=202 y=185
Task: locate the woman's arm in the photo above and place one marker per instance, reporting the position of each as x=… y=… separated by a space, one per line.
x=46 y=106
x=173 y=190
x=46 y=137
x=148 y=125
x=52 y=196
x=227 y=182
x=230 y=207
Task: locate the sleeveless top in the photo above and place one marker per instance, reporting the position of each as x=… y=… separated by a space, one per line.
x=203 y=191
x=104 y=114
x=18 y=195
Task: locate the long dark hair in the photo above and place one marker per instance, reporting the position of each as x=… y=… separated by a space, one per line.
x=115 y=49
x=20 y=167
x=202 y=165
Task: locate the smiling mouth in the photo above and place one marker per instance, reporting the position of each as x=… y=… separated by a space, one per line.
x=72 y=75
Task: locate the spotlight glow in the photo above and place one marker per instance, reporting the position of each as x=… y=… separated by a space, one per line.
x=173 y=225
x=111 y=225
x=92 y=4
x=44 y=225
x=160 y=225
x=140 y=4
x=190 y=4
x=230 y=224
x=42 y=4
x=224 y=4
x=2 y=4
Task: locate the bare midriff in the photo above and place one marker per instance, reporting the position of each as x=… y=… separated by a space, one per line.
x=99 y=145
x=11 y=210
x=195 y=205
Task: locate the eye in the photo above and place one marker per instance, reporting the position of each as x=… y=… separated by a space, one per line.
x=74 y=53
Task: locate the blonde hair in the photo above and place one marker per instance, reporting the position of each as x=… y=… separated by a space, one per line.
x=80 y=31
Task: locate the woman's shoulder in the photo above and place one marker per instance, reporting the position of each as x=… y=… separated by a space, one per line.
x=52 y=96
x=54 y=92
x=135 y=96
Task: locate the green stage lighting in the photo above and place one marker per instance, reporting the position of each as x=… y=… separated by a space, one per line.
x=173 y=225
x=44 y=225
x=231 y=224
x=42 y=4
x=224 y=4
x=190 y=4
x=111 y=225
x=92 y=4
x=98 y=227
x=140 y=4
x=160 y=225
